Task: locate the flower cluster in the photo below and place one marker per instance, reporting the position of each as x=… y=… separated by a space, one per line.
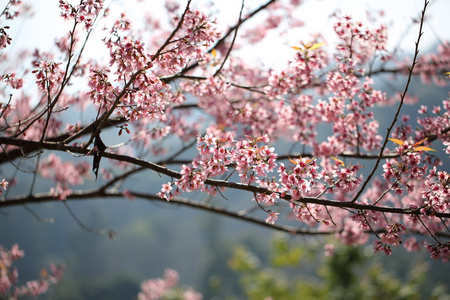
x=441 y=252
x=431 y=66
x=65 y=174
x=196 y=34
x=146 y=85
x=48 y=76
x=9 y=276
x=3 y=185
x=437 y=193
x=12 y=80
x=101 y=91
x=85 y=12
x=300 y=180
x=252 y=162
x=348 y=109
x=435 y=121
x=392 y=235
x=341 y=177
x=301 y=72
x=405 y=170
x=358 y=42
x=5 y=39
x=9 y=13
x=160 y=288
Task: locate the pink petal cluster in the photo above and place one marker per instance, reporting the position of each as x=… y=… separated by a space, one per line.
x=65 y=173
x=86 y=12
x=9 y=276
x=12 y=80
x=48 y=76
x=158 y=288
x=252 y=162
x=3 y=185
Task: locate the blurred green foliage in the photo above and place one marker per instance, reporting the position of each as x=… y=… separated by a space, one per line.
x=348 y=274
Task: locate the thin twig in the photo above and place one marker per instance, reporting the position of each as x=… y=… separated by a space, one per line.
x=78 y=221
x=232 y=41
x=34 y=214
x=388 y=133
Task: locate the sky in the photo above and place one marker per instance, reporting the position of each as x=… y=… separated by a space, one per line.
x=40 y=31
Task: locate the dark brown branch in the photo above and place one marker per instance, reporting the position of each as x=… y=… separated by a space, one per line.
x=101 y=193
x=63 y=137
x=213 y=182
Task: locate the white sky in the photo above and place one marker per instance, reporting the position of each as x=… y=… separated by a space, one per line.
x=40 y=31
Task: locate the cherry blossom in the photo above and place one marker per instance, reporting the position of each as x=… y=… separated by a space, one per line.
x=9 y=276
x=159 y=287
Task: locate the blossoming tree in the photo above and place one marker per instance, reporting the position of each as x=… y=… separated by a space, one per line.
x=188 y=107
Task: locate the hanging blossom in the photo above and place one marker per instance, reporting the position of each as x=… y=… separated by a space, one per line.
x=392 y=237
x=102 y=92
x=9 y=288
x=272 y=217
x=439 y=252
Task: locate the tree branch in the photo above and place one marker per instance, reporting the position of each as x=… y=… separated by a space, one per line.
x=213 y=182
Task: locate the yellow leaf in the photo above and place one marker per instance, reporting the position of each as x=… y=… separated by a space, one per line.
x=423 y=148
x=315 y=46
x=214 y=53
x=397 y=141
x=296 y=48
x=419 y=142
x=338 y=160
x=292 y=161
x=310 y=160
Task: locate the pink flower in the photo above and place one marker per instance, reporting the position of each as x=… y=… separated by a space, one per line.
x=380 y=247
x=3 y=185
x=272 y=217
